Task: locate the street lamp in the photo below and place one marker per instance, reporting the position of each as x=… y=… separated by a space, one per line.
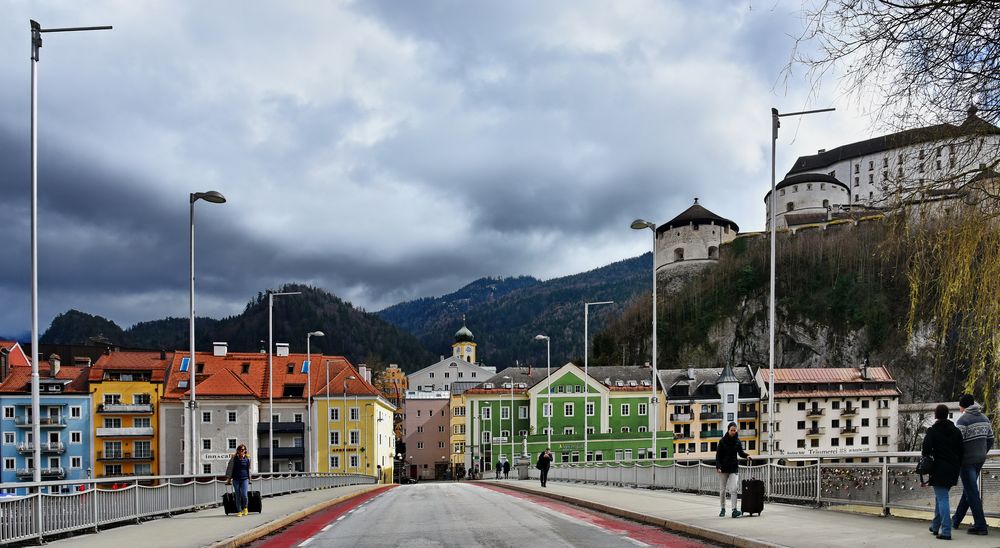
x=511 y=379
x=586 y=371
x=270 y=373
x=36 y=44
x=313 y=454
x=775 y=124
x=640 y=224
x=548 y=383
x=211 y=197
x=343 y=421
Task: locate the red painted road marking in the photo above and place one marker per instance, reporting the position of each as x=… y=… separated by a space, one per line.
x=307 y=528
x=648 y=534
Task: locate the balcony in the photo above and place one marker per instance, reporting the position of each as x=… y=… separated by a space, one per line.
x=47 y=473
x=710 y=434
x=281 y=452
x=50 y=447
x=135 y=431
x=818 y=431
x=678 y=436
x=126 y=408
x=46 y=422
x=711 y=416
x=680 y=417
x=747 y=414
x=124 y=456
x=282 y=427
x=814 y=413
x=849 y=430
x=748 y=434
x=849 y=412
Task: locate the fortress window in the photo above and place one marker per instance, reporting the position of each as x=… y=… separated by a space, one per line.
x=885 y=175
x=809 y=186
x=920 y=154
x=871 y=195
x=822 y=186
x=782 y=192
x=795 y=188
x=713 y=252
x=885 y=162
x=826 y=203
x=789 y=206
x=857 y=181
x=694 y=227
x=871 y=178
x=857 y=168
x=679 y=254
x=871 y=165
x=938 y=162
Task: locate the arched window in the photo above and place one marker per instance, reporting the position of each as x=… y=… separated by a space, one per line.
x=826 y=203
x=790 y=206
x=679 y=254
x=713 y=252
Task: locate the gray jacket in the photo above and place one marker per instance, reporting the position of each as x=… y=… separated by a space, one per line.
x=977 y=435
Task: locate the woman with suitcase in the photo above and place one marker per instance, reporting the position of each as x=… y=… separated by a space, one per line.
x=238 y=474
x=728 y=466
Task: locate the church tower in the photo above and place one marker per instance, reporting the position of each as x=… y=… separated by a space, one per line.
x=464 y=346
x=729 y=390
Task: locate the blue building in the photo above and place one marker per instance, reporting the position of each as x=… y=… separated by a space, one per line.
x=64 y=423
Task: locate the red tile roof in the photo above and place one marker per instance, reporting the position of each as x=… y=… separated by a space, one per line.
x=19 y=379
x=132 y=361
x=801 y=375
x=17 y=357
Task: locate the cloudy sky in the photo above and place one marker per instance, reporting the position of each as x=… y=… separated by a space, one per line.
x=382 y=150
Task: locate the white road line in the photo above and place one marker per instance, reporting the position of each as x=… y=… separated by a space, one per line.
x=636 y=542
x=327 y=528
x=341 y=517
x=307 y=541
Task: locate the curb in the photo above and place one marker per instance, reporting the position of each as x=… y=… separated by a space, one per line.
x=722 y=537
x=263 y=530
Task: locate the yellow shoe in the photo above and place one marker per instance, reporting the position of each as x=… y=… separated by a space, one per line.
x=245 y=511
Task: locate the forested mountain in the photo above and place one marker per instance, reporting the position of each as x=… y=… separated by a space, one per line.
x=360 y=336
x=505 y=314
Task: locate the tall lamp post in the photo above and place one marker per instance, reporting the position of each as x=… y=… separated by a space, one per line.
x=313 y=453
x=270 y=373
x=343 y=420
x=775 y=124
x=211 y=197
x=640 y=224
x=586 y=371
x=36 y=44
x=548 y=384
x=511 y=382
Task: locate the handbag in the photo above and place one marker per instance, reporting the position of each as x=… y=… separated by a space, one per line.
x=925 y=466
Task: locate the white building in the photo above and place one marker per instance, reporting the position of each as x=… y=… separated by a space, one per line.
x=694 y=235
x=460 y=367
x=921 y=164
x=830 y=410
x=916 y=418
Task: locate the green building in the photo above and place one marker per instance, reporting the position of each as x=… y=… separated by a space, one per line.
x=606 y=416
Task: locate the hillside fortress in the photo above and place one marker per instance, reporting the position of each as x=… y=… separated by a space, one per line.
x=936 y=165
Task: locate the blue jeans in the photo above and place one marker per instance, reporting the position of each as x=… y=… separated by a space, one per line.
x=240 y=488
x=942 y=513
x=971 y=498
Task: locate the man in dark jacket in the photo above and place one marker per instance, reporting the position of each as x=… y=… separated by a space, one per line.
x=977 y=434
x=943 y=443
x=543 y=464
x=727 y=464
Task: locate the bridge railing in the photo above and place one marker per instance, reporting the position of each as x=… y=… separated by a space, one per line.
x=54 y=507
x=887 y=480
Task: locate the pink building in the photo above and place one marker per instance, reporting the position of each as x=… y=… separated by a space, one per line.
x=426 y=434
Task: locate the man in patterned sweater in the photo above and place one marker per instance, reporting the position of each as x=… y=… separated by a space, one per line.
x=977 y=434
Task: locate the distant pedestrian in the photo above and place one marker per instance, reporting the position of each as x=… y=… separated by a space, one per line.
x=238 y=475
x=727 y=464
x=506 y=469
x=499 y=468
x=977 y=436
x=943 y=443
x=543 y=464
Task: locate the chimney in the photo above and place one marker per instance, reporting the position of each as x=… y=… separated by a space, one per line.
x=219 y=349
x=4 y=363
x=280 y=349
x=647 y=365
x=363 y=371
x=864 y=370
x=54 y=362
x=690 y=373
x=163 y=354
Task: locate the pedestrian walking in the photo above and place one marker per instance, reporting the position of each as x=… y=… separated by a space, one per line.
x=506 y=469
x=543 y=464
x=943 y=443
x=238 y=475
x=499 y=468
x=727 y=464
x=977 y=438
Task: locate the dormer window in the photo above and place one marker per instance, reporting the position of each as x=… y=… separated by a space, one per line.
x=291 y=368
x=245 y=368
x=200 y=368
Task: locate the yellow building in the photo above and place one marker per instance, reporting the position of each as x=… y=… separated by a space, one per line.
x=458 y=437
x=354 y=423
x=125 y=389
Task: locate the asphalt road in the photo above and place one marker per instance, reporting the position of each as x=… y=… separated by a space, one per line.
x=465 y=514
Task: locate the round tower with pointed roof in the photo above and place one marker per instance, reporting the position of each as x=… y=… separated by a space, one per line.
x=464 y=346
x=694 y=235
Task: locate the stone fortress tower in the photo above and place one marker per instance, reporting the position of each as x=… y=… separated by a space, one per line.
x=694 y=236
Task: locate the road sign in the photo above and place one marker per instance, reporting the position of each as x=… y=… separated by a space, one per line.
x=500 y=439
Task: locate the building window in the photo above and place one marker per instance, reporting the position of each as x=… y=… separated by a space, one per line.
x=487 y=437
x=112 y=399
x=334 y=461
x=112 y=422
x=206 y=444
x=76 y=437
x=230 y=416
x=8 y=438
x=790 y=206
x=420 y=429
x=334 y=438
x=504 y=413
x=8 y=412
x=626 y=429
x=865 y=404
x=546 y=410
x=355 y=414
x=857 y=181
x=206 y=416
x=522 y=412
x=335 y=414
x=431 y=374
x=75 y=412
x=420 y=444
x=814 y=442
x=625 y=409
x=568 y=410
x=440 y=445
x=801 y=444
x=231 y=444
x=486 y=412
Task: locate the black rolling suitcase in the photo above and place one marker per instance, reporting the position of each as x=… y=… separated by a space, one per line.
x=752 y=501
x=229 y=502
x=253 y=501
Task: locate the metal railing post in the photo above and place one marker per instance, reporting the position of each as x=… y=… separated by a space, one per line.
x=885 y=486
x=135 y=499
x=38 y=509
x=768 y=477
x=819 y=483
x=170 y=504
x=93 y=503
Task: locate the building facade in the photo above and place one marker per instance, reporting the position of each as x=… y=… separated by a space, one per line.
x=830 y=410
x=460 y=367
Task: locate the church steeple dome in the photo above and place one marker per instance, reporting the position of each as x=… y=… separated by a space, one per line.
x=464 y=346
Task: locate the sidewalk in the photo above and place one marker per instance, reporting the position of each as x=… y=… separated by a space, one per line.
x=212 y=527
x=780 y=524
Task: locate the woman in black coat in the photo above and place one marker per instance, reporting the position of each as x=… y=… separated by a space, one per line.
x=943 y=443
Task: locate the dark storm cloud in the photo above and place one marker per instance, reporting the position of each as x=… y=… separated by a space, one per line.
x=381 y=150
